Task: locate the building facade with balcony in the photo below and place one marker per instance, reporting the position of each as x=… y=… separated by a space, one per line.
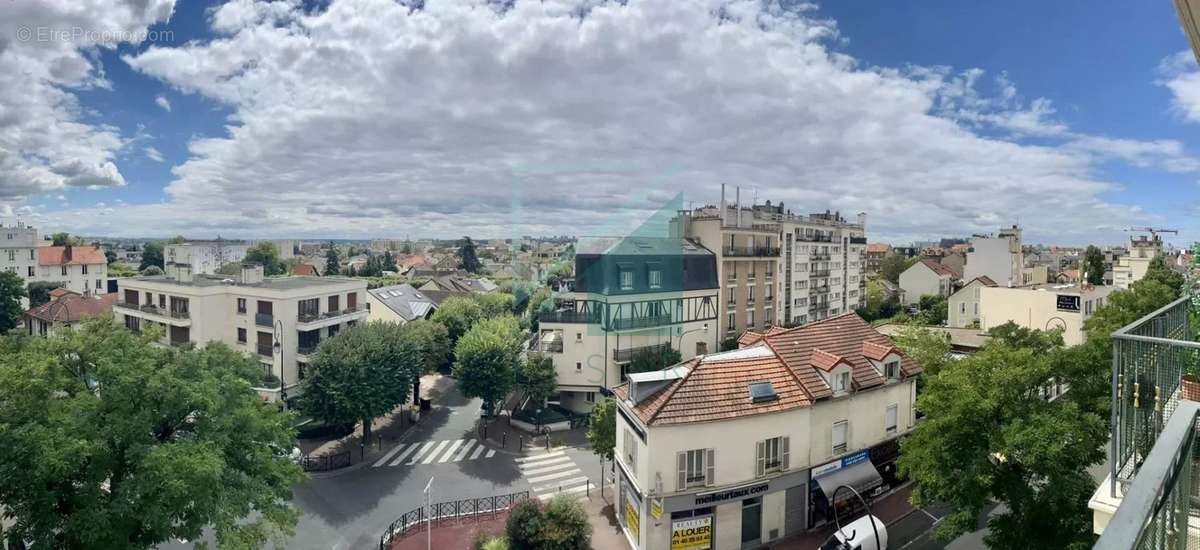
x=1132 y=266
x=631 y=294
x=740 y=448
x=243 y=311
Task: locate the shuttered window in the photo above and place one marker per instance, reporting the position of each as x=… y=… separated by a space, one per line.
x=839 y=436
x=773 y=455
x=694 y=468
x=889 y=420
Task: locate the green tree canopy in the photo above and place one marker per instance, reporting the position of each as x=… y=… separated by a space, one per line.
x=39 y=291
x=932 y=310
x=429 y=344
x=266 y=254
x=458 y=314
x=538 y=378
x=332 y=263
x=107 y=441
x=485 y=356
x=152 y=270
x=928 y=348
x=1093 y=265
x=360 y=374
x=467 y=259
x=654 y=359
x=892 y=265
x=558 y=273
x=152 y=255
x=1159 y=271
x=64 y=239
x=494 y=304
x=12 y=290
x=602 y=428
x=109 y=256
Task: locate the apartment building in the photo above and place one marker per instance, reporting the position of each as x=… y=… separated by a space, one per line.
x=1043 y=307
x=999 y=257
x=249 y=313
x=82 y=269
x=740 y=448
x=18 y=250
x=780 y=268
x=205 y=257
x=927 y=277
x=873 y=256
x=1132 y=266
x=630 y=295
x=963 y=305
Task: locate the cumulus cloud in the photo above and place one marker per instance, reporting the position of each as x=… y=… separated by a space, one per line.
x=1180 y=74
x=45 y=145
x=153 y=154
x=373 y=117
x=163 y=102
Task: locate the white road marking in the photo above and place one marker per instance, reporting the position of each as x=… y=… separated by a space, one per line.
x=561 y=483
x=551 y=468
x=450 y=451
x=463 y=452
x=405 y=454
x=417 y=456
x=388 y=456
x=555 y=475
x=567 y=491
x=490 y=453
x=434 y=453
x=541 y=463
x=535 y=458
x=478 y=451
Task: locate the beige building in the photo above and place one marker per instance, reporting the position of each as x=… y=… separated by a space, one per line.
x=741 y=448
x=82 y=269
x=248 y=312
x=963 y=305
x=630 y=295
x=1131 y=267
x=1043 y=307
x=926 y=277
x=1000 y=257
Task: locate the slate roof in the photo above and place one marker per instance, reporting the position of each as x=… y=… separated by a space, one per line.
x=78 y=255
x=408 y=302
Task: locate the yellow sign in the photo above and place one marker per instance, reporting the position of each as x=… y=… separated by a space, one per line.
x=656 y=508
x=692 y=534
x=632 y=517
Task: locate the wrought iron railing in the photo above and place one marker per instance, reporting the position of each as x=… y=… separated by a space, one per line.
x=640 y=322
x=1155 y=510
x=1149 y=357
x=568 y=317
x=468 y=508
x=752 y=251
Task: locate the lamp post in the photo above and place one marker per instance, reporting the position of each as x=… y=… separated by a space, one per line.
x=277 y=347
x=703 y=329
x=865 y=504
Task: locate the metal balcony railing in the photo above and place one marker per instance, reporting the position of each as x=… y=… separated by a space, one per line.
x=552 y=347
x=308 y=317
x=815 y=238
x=568 y=317
x=1155 y=511
x=819 y=273
x=641 y=322
x=752 y=251
x=624 y=355
x=264 y=319
x=180 y=314
x=819 y=256
x=858 y=240
x=127 y=305
x=307 y=349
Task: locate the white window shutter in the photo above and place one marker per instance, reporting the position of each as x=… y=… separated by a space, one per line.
x=760 y=463
x=681 y=477
x=786 y=453
x=710 y=465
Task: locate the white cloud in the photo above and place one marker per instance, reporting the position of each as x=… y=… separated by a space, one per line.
x=163 y=102
x=153 y=154
x=373 y=118
x=46 y=54
x=1182 y=77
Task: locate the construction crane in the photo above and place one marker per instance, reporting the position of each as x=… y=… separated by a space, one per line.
x=1153 y=231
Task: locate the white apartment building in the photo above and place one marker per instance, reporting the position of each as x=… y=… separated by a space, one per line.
x=780 y=268
x=205 y=257
x=630 y=295
x=1131 y=267
x=249 y=313
x=1043 y=307
x=737 y=449
x=1000 y=258
x=963 y=305
x=926 y=277
x=18 y=250
x=83 y=269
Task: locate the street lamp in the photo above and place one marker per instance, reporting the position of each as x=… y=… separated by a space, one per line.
x=277 y=347
x=866 y=505
x=703 y=329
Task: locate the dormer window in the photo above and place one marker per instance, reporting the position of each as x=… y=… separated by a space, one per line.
x=841 y=381
x=626 y=277
x=891 y=369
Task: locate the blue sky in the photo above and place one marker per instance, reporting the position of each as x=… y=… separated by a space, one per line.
x=365 y=118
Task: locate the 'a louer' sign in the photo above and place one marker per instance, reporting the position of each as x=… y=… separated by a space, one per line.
x=692 y=534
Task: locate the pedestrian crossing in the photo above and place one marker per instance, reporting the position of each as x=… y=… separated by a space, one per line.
x=552 y=473
x=434 y=452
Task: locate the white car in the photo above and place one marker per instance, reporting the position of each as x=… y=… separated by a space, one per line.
x=859 y=535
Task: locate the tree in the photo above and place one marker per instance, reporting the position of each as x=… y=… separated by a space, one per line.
x=359 y=374
x=231 y=268
x=109 y=256
x=1159 y=271
x=657 y=358
x=63 y=239
x=557 y=274
x=523 y=525
x=990 y=436
x=152 y=255
x=879 y=304
x=266 y=254
x=39 y=291
x=107 y=441
x=152 y=270
x=178 y=239
x=1093 y=265
x=926 y=347
x=389 y=261
x=602 y=428
x=566 y=526
x=429 y=342
x=12 y=290
x=458 y=314
x=1017 y=336
x=406 y=248
x=467 y=259
x=332 y=264
x=932 y=310
x=892 y=265
x=495 y=304
x=538 y=378
x=485 y=356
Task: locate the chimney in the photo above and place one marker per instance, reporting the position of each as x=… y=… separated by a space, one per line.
x=252 y=274
x=723 y=213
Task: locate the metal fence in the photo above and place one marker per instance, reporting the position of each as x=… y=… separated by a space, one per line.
x=325 y=463
x=454 y=510
x=1156 y=509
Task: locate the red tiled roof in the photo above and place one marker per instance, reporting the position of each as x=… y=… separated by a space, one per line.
x=305 y=270
x=73 y=307
x=824 y=360
x=876 y=351
x=878 y=248
x=60 y=292
x=748 y=338
x=938 y=268
x=985 y=280
x=717 y=388
x=79 y=255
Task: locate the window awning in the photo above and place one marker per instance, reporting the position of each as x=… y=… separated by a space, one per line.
x=862 y=476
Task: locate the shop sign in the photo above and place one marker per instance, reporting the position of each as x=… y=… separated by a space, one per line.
x=848 y=460
x=1068 y=302
x=656 y=508
x=692 y=534
x=633 y=513
x=731 y=494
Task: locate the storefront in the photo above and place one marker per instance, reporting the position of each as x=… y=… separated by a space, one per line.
x=856 y=470
x=629 y=508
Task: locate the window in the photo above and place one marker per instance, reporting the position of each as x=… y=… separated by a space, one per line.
x=578 y=366
x=98 y=284
x=892 y=369
x=750 y=294
x=729 y=322
x=333 y=330
x=578 y=336
x=12 y=255
x=591 y=397
x=701 y=348
x=334 y=304
x=84 y=268
x=732 y=272
x=626 y=279
x=839 y=436
x=731 y=292
x=889 y=420
x=963 y=307
x=841 y=382
x=64 y=270
x=241 y=305
x=655 y=278
x=772 y=456
x=31 y=271
x=695 y=469
x=630 y=448
x=31 y=253
x=241 y=335
x=749 y=317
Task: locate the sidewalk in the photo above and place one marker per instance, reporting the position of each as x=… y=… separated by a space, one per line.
x=504 y=437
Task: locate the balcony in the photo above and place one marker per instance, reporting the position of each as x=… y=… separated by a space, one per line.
x=858 y=240
x=818 y=273
x=626 y=355
x=815 y=238
x=751 y=251
x=568 y=317
x=154 y=313
x=264 y=319
x=819 y=256
x=314 y=322
x=641 y=322
x=307 y=348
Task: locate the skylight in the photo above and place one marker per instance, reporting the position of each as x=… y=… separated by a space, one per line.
x=762 y=391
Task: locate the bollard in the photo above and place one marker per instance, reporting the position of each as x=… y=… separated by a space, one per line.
x=588 y=488
x=504 y=440
x=522 y=443
x=362 y=450
x=379 y=443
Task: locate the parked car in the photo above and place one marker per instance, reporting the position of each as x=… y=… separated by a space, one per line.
x=859 y=535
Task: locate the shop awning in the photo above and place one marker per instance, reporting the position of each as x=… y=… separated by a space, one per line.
x=862 y=476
